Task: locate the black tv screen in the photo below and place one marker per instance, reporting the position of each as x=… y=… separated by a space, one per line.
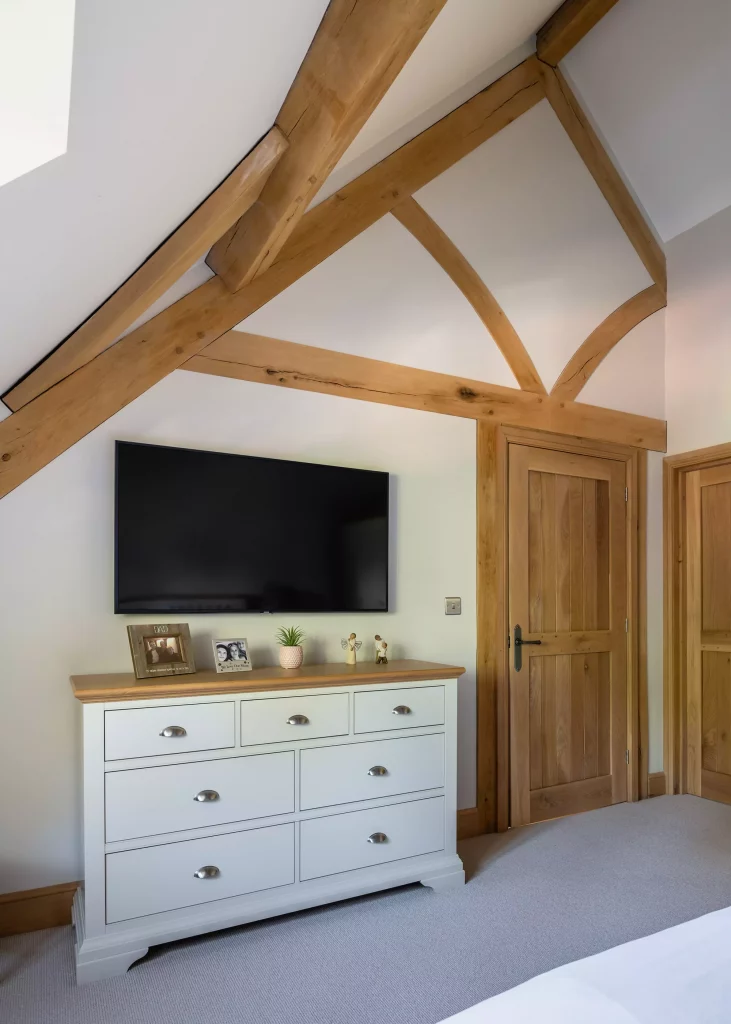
x=204 y=531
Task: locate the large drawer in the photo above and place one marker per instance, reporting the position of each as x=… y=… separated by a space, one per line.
x=367 y=771
x=283 y=719
x=341 y=842
x=159 y=878
x=409 y=708
x=173 y=729
x=152 y=801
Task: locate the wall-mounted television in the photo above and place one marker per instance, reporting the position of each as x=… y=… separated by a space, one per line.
x=199 y=531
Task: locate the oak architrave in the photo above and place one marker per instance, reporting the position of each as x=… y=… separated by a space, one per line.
x=602 y=340
x=265 y=360
x=358 y=50
x=568 y=110
x=160 y=271
x=439 y=245
x=568 y=26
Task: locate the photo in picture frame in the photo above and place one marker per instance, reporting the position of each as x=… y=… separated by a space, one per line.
x=232 y=655
x=161 y=649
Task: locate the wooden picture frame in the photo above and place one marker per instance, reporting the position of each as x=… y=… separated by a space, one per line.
x=161 y=649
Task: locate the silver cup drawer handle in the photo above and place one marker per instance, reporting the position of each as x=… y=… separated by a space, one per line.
x=208 y=871
x=401 y=709
x=378 y=837
x=207 y=796
x=378 y=769
x=173 y=730
x=298 y=720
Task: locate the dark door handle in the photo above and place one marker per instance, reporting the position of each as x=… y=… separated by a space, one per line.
x=519 y=642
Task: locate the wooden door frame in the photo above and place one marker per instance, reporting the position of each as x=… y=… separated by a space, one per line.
x=675 y=473
x=492 y=811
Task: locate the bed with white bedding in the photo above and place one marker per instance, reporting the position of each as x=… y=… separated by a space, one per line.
x=678 y=976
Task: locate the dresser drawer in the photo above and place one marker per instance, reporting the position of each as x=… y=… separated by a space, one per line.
x=382 y=710
x=284 y=719
x=341 y=842
x=159 y=878
x=340 y=775
x=152 y=801
x=141 y=732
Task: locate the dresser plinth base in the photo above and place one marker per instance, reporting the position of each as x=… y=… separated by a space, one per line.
x=444 y=882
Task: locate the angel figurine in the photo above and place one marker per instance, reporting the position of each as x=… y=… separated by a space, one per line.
x=351 y=645
x=381 y=651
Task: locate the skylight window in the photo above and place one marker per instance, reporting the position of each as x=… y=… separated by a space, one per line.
x=36 y=47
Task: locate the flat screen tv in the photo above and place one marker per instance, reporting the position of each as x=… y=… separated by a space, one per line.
x=200 y=531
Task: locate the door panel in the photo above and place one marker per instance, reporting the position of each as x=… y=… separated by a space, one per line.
x=708 y=632
x=568 y=590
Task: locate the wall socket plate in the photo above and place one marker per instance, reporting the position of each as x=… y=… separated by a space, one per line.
x=452 y=605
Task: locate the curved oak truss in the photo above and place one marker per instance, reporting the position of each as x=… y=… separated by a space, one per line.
x=416 y=220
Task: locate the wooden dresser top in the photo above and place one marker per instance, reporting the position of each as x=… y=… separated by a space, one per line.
x=124 y=686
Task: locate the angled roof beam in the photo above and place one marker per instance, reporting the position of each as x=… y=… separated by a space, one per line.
x=159 y=272
x=357 y=52
x=568 y=26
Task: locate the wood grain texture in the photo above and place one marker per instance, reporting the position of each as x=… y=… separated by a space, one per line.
x=159 y=272
x=34 y=909
x=602 y=340
x=693 y=657
x=124 y=686
x=643 y=752
x=357 y=52
x=285 y=364
x=567 y=546
x=592 y=152
x=418 y=222
x=469 y=823
x=492 y=702
x=568 y=26
x=656 y=784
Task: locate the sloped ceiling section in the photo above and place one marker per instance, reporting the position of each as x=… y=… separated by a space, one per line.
x=166 y=99
x=525 y=212
x=656 y=77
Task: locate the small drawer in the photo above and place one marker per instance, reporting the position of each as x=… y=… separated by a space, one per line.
x=153 y=801
x=367 y=771
x=159 y=878
x=383 y=710
x=283 y=719
x=362 y=839
x=175 y=729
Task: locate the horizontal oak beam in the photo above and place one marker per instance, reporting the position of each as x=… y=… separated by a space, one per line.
x=568 y=26
x=602 y=340
x=357 y=52
x=568 y=110
x=159 y=272
x=439 y=245
x=285 y=364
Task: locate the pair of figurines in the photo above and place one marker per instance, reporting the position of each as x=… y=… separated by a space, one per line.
x=352 y=645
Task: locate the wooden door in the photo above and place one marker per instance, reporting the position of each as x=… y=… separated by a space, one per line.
x=708 y=632
x=567 y=581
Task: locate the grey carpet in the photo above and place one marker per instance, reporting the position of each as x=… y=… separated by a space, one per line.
x=538 y=897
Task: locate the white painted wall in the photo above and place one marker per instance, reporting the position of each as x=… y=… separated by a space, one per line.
x=56 y=596
x=699 y=336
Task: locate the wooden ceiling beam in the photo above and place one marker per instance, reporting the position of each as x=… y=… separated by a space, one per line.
x=439 y=245
x=357 y=52
x=601 y=341
x=285 y=364
x=59 y=417
x=568 y=26
x=189 y=243
x=568 y=110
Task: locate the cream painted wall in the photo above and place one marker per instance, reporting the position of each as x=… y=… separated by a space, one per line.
x=699 y=335
x=56 y=613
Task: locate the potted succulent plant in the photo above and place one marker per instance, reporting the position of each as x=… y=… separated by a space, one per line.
x=290 y=646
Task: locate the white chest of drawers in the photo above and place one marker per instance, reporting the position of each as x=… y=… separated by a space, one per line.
x=211 y=801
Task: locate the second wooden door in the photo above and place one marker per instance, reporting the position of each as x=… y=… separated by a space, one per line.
x=567 y=581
